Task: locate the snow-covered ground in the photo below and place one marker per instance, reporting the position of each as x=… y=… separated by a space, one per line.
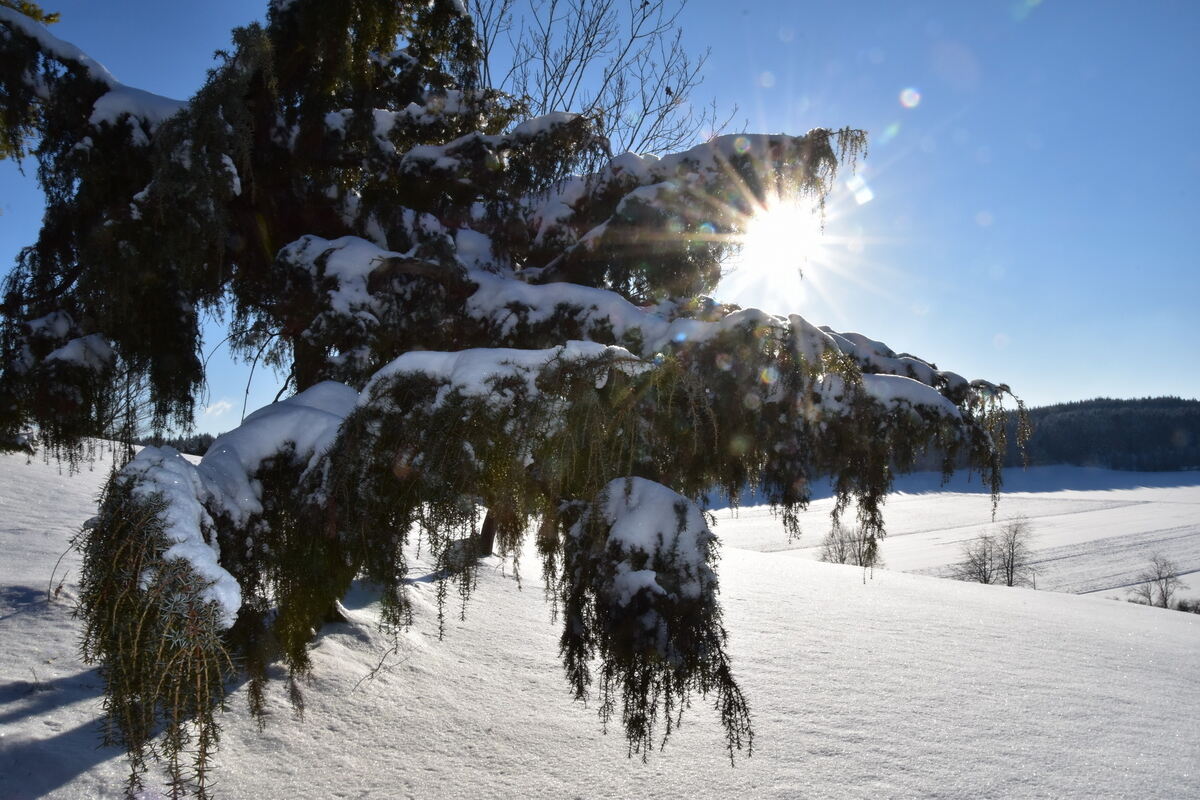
x=894 y=686
x=1093 y=530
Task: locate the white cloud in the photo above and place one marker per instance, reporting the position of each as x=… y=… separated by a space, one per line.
x=218 y=408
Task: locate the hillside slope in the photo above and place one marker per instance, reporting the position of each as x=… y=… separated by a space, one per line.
x=893 y=686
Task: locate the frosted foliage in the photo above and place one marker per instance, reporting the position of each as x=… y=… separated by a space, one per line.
x=478 y=310
x=506 y=302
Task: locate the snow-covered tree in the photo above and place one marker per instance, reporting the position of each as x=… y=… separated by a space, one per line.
x=475 y=311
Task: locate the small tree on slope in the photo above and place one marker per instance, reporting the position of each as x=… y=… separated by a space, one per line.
x=474 y=311
x=1157 y=584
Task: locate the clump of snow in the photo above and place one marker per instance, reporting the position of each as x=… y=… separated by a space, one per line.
x=308 y=421
x=652 y=524
x=539 y=125
x=121 y=100
x=55 y=325
x=897 y=390
x=165 y=474
x=92 y=351
x=473 y=372
x=474 y=249
x=348 y=259
x=235 y=180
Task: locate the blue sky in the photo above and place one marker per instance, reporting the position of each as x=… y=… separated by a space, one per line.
x=1034 y=216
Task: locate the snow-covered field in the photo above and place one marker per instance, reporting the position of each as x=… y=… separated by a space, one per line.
x=1093 y=530
x=895 y=686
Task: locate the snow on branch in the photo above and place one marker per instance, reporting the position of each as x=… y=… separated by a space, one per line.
x=57 y=48
x=119 y=100
x=223 y=483
x=475 y=373
x=510 y=309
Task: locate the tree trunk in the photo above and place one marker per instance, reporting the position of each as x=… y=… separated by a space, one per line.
x=487 y=535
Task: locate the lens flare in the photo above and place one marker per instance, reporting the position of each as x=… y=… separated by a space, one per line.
x=889 y=133
x=910 y=98
x=859 y=188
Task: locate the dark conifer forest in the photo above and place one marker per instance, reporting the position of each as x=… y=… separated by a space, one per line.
x=1150 y=434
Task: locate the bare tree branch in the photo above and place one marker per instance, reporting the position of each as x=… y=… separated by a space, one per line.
x=623 y=64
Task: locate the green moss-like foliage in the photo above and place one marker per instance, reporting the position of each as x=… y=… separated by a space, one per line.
x=157 y=641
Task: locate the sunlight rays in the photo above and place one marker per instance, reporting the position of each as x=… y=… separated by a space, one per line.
x=796 y=256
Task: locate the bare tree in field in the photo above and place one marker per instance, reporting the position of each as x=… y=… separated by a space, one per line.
x=621 y=62
x=850 y=545
x=1013 y=555
x=1002 y=558
x=979 y=563
x=1158 y=583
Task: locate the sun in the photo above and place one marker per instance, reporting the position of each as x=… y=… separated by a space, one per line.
x=784 y=235
x=782 y=255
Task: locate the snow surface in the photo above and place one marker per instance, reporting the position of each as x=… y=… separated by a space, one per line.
x=894 y=686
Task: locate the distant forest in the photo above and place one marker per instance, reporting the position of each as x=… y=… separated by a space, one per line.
x=1153 y=434
x=196 y=444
